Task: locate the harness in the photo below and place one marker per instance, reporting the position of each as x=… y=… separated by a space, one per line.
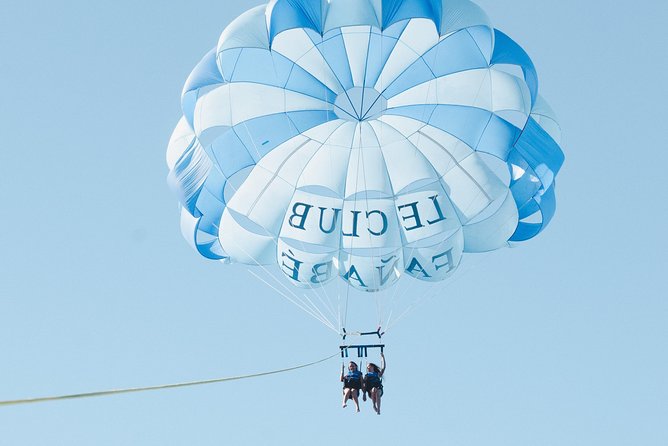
x=353 y=379
x=372 y=379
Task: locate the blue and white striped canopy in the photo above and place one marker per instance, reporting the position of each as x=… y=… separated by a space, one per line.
x=364 y=139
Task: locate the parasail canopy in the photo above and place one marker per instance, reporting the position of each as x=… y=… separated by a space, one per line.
x=364 y=140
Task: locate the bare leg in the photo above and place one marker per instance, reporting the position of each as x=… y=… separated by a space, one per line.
x=374 y=398
x=379 y=394
x=346 y=396
x=355 y=400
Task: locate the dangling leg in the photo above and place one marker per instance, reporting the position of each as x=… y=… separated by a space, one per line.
x=346 y=396
x=355 y=394
x=374 y=398
x=379 y=394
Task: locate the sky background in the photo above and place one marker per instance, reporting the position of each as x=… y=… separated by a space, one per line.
x=561 y=341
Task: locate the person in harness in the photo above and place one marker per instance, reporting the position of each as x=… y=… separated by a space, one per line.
x=352 y=384
x=373 y=383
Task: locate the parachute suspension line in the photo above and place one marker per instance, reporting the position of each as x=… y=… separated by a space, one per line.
x=399 y=294
x=379 y=300
x=398 y=286
x=319 y=311
x=303 y=302
x=421 y=299
x=327 y=305
x=352 y=242
x=345 y=305
x=309 y=307
x=325 y=300
x=321 y=291
x=336 y=263
x=366 y=198
x=392 y=302
x=443 y=285
x=339 y=293
x=160 y=387
x=290 y=296
x=314 y=309
x=295 y=301
x=414 y=304
x=360 y=163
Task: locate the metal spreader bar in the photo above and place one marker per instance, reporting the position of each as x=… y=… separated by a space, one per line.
x=367 y=333
x=362 y=350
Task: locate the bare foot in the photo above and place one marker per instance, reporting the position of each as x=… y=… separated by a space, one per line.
x=345 y=405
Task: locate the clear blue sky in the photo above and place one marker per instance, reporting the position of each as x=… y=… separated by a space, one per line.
x=562 y=341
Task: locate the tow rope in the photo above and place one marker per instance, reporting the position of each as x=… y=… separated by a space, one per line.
x=160 y=387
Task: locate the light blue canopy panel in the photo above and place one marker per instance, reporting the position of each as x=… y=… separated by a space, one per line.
x=322 y=16
x=363 y=139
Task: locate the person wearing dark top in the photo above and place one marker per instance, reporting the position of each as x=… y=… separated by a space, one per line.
x=373 y=383
x=352 y=384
